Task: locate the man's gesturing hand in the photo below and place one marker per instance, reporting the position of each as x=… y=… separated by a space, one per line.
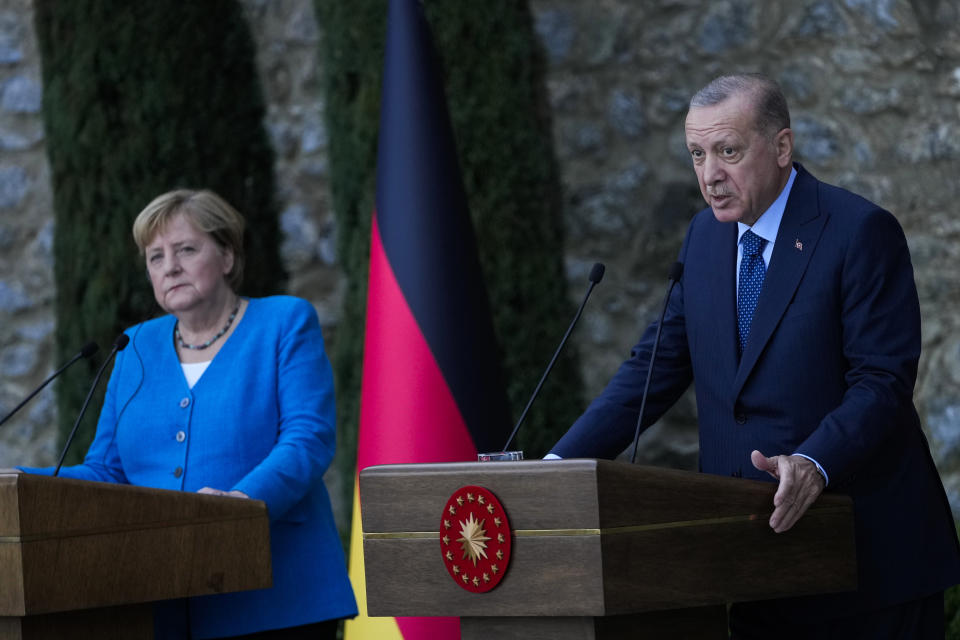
x=800 y=485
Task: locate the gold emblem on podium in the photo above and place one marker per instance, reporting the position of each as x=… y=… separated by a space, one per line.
x=475 y=539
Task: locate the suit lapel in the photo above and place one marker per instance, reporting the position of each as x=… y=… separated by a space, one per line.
x=797 y=238
x=723 y=297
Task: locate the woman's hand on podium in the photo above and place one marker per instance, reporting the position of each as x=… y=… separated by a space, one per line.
x=217 y=492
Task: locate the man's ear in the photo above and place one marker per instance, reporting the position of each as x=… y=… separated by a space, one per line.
x=784 y=145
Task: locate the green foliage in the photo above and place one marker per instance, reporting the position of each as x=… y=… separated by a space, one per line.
x=951 y=613
x=141 y=98
x=495 y=91
x=352 y=52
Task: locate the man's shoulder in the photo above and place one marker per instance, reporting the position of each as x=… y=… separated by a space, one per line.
x=838 y=197
x=853 y=217
x=705 y=222
x=833 y=198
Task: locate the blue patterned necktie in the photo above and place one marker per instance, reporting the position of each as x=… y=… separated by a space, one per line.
x=752 y=272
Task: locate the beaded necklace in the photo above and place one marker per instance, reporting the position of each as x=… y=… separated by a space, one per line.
x=201 y=347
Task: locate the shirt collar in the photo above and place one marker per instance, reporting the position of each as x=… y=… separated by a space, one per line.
x=768 y=223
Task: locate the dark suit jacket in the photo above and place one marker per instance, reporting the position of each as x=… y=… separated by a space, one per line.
x=828 y=371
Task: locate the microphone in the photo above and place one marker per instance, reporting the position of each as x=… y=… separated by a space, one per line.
x=88 y=350
x=118 y=345
x=596 y=275
x=676 y=272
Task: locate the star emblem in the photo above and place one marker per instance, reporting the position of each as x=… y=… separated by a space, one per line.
x=473 y=539
x=477 y=523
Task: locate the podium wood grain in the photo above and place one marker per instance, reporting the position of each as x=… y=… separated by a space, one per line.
x=598 y=538
x=69 y=545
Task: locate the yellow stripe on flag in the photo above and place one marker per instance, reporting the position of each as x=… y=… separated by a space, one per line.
x=363 y=627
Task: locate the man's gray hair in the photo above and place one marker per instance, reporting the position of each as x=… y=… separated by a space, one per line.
x=770 y=106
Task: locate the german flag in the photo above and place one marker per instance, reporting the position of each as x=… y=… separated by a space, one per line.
x=432 y=386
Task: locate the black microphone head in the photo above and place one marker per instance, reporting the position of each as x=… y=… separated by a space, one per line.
x=89 y=349
x=596 y=273
x=676 y=271
x=121 y=341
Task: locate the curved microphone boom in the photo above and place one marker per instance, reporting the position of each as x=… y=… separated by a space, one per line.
x=88 y=350
x=596 y=275
x=118 y=345
x=676 y=272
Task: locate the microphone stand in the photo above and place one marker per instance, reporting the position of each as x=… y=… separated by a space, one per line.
x=676 y=272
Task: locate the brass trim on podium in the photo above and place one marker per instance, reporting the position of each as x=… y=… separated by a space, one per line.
x=530 y=533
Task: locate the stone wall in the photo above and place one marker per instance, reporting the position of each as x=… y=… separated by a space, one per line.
x=26 y=243
x=874 y=87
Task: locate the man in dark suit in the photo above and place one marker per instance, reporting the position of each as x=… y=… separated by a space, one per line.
x=797 y=317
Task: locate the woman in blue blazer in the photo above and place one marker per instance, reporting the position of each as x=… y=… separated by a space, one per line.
x=230 y=396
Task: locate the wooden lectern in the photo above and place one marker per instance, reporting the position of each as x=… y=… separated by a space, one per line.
x=83 y=560
x=600 y=549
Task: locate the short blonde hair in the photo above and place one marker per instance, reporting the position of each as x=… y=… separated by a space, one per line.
x=207 y=211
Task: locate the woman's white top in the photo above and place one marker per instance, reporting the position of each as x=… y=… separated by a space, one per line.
x=193 y=370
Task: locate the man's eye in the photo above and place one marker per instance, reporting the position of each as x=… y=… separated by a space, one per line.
x=728 y=151
x=696 y=153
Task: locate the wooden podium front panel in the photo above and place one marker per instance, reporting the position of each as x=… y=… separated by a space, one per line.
x=727 y=561
x=402 y=507
x=688 y=539
x=596 y=538
x=705 y=623
x=78 y=545
x=132 y=622
x=11 y=563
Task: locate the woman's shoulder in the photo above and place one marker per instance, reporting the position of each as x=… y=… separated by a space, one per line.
x=282 y=310
x=282 y=305
x=161 y=326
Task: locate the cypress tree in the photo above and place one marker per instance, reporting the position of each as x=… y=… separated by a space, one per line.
x=501 y=119
x=141 y=98
x=495 y=91
x=352 y=57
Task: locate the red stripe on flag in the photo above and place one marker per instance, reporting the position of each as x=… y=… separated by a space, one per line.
x=407 y=413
